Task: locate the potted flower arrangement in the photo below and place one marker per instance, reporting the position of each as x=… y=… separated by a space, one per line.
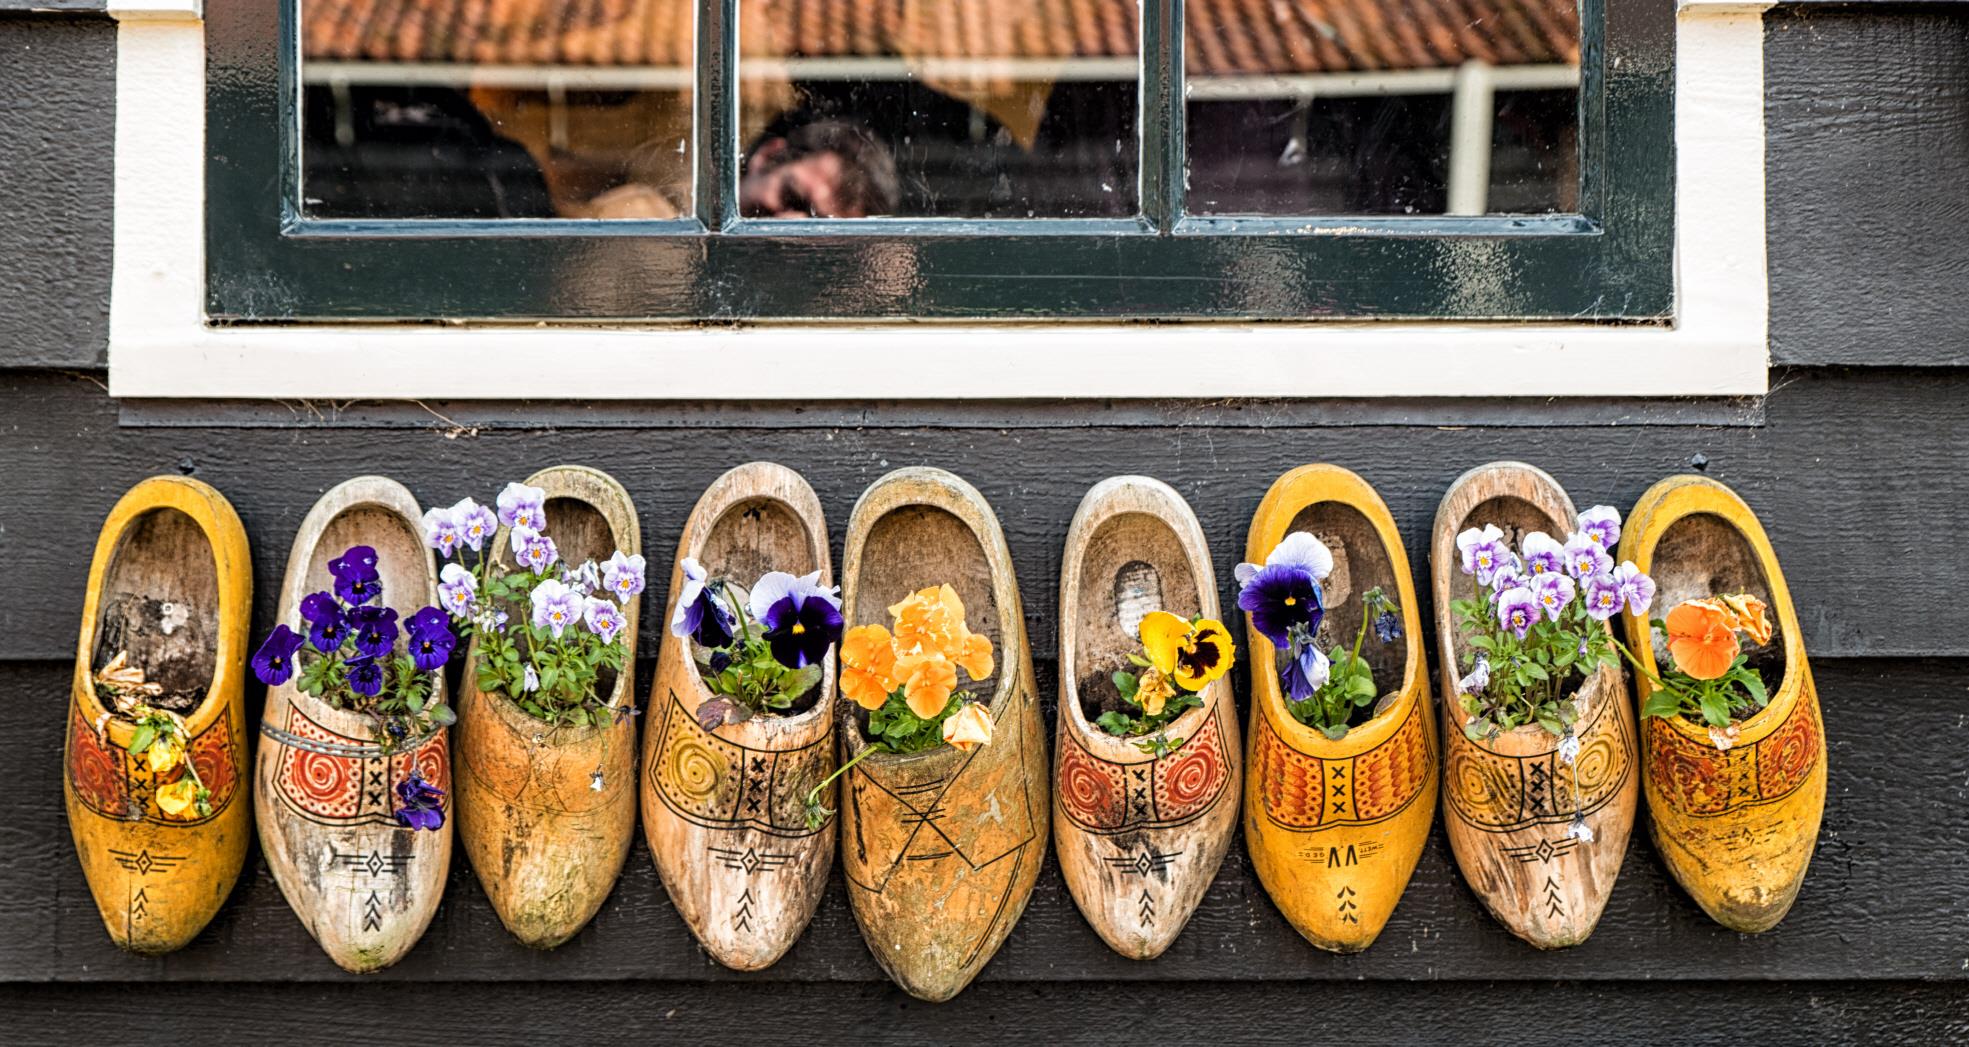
x=742 y=717
x=1539 y=735
x=1341 y=774
x=1144 y=697
x=943 y=791
x=545 y=583
x=1733 y=753
x=353 y=771
x=156 y=723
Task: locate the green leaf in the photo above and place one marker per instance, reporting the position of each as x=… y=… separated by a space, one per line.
x=1754 y=684
x=1481 y=643
x=140 y=741
x=1140 y=661
x=1334 y=731
x=1662 y=704
x=1715 y=710
x=1551 y=723
x=1127 y=684
x=1115 y=723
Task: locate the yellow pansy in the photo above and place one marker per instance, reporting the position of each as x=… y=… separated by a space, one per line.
x=178 y=797
x=164 y=753
x=1191 y=654
x=1153 y=691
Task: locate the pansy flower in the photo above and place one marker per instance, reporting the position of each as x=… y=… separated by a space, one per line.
x=1153 y=689
x=1602 y=595
x=431 y=638
x=868 y=665
x=365 y=676
x=933 y=619
x=604 y=619
x=1601 y=526
x=1305 y=673
x=622 y=576
x=927 y=679
x=1191 y=654
x=1478 y=678
x=178 y=797
x=326 y=625
x=523 y=506
x=1544 y=554
x=375 y=630
x=701 y=612
x=273 y=663
x=1749 y=618
x=441 y=532
x=1483 y=552
x=1702 y=638
x=802 y=617
x=458 y=589
x=475 y=523
x=1280 y=597
x=555 y=606
x=1554 y=592
x=356 y=580
x=1387 y=627
x=968 y=728
x=534 y=550
x=420 y=805
x=1517 y=609
x=1637 y=590
x=1586 y=557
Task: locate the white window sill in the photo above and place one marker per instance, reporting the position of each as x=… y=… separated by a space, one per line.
x=161 y=346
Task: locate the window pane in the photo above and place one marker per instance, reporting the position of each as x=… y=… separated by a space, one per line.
x=938 y=108
x=1382 y=106
x=496 y=109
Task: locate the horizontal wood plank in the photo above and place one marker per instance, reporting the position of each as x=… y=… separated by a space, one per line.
x=1851 y=473
x=1882 y=900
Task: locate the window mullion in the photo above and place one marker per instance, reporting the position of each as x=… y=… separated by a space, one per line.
x=715 y=98
x=1162 y=112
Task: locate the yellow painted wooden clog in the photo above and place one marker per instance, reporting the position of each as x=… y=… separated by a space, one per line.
x=1335 y=826
x=171 y=590
x=1735 y=826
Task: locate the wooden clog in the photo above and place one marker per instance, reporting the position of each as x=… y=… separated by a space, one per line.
x=1735 y=827
x=363 y=885
x=1508 y=802
x=723 y=810
x=1139 y=837
x=546 y=843
x=1335 y=826
x=171 y=588
x=941 y=848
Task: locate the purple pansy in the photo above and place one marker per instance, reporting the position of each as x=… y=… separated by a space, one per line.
x=458 y=589
x=603 y=618
x=431 y=638
x=523 y=506
x=1298 y=549
x=622 y=575
x=1387 y=626
x=1637 y=590
x=1603 y=597
x=441 y=532
x=1305 y=673
x=555 y=607
x=1544 y=554
x=1601 y=525
x=533 y=550
x=701 y=612
x=375 y=630
x=802 y=617
x=1517 y=609
x=356 y=580
x=1279 y=597
x=326 y=625
x=1554 y=592
x=420 y=805
x=1509 y=575
x=273 y=663
x=365 y=676
x=1586 y=557
x=475 y=523
x=1483 y=552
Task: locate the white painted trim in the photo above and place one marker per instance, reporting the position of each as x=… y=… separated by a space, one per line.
x=157 y=10
x=161 y=347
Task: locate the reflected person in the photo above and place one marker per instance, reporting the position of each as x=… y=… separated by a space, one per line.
x=823 y=169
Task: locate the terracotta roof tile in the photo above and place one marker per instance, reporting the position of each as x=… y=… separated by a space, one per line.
x=1223 y=37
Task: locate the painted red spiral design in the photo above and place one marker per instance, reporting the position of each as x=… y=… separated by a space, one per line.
x=321 y=782
x=433 y=761
x=211 y=757
x=1194 y=774
x=97 y=778
x=1786 y=759
x=1087 y=794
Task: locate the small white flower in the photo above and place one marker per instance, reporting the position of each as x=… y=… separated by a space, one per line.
x=1579 y=830
x=1569 y=748
x=532 y=681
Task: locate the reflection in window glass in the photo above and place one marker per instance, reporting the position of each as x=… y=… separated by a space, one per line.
x=496 y=109
x=938 y=108
x=1301 y=107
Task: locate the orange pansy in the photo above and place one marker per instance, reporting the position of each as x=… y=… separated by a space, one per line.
x=868 y=665
x=927 y=680
x=968 y=728
x=1747 y=616
x=1702 y=638
x=932 y=621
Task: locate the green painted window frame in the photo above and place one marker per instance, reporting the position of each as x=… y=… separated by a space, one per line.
x=1612 y=261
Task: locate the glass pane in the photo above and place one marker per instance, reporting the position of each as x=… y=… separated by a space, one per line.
x=938 y=108
x=1300 y=107
x=496 y=109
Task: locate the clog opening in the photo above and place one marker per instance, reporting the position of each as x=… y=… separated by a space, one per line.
x=160 y=608
x=1360 y=563
x=916 y=547
x=580 y=533
x=1133 y=564
x=1703 y=555
x=750 y=538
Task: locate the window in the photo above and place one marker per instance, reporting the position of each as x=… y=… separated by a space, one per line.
x=774 y=160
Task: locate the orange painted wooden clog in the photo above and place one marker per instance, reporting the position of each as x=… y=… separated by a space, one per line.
x=1140 y=837
x=546 y=813
x=363 y=885
x=1509 y=801
x=170 y=594
x=1335 y=826
x=941 y=848
x=1736 y=827
x=723 y=810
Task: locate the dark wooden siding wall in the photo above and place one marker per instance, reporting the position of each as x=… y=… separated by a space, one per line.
x=1858 y=460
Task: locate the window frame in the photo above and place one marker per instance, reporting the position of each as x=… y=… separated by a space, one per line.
x=1613 y=261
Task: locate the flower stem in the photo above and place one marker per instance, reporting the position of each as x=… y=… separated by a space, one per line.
x=813 y=796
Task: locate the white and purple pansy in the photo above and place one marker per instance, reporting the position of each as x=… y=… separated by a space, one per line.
x=622 y=576
x=1483 y=552
x=458 y=590
x=523 y=506
x=1544 y=554
x=1637 y=590
x=1586 y=557
x=1517 y=609
x=441 y=532
x=1554 y=592
x=1601 y=525
x=533 y=550
x=1299 y=549
x=604 y=619
x=1603 y=597
x=555 y=606
x=475 y=523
